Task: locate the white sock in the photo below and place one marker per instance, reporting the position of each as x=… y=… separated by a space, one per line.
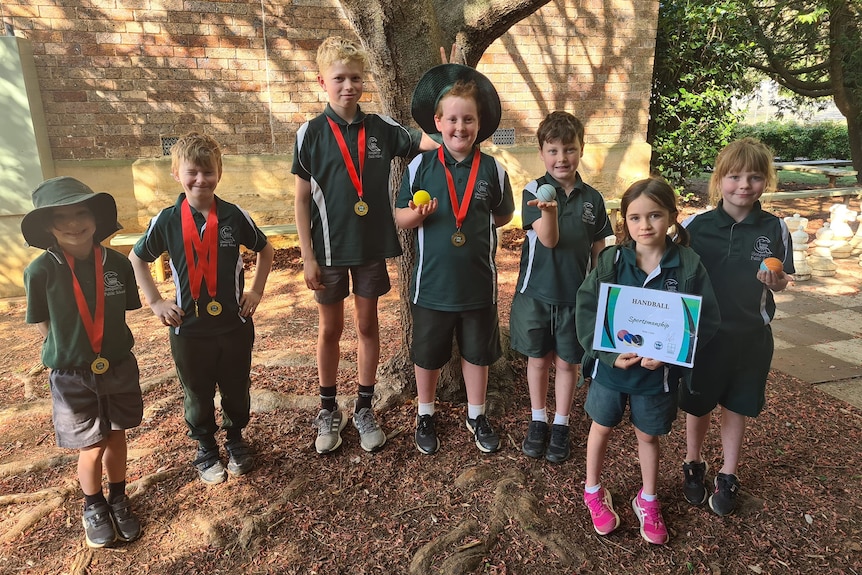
x=593 y=489
x=426 y=408
x=540 y=414
x=646 y=497
x=474 y=411
x=561 y=419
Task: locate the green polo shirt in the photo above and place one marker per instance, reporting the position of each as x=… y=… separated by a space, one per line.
x=553 y=275
x=446 y=277
x=732 y=253
x=235 y=229
x=51 y=298
x=339 y=236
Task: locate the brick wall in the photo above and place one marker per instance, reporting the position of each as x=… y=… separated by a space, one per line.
x=116 y=78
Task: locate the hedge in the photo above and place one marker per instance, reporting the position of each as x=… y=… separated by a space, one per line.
x=793 y=141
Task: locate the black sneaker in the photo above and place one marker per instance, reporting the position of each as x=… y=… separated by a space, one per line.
x=723 y=501
x=558 y=445
x=98 y=525
x=486 y=439
x=209 y=466
x=694 y=488
x=127 y=524
x=534 y=444
x=426 y=436
x=240 y=458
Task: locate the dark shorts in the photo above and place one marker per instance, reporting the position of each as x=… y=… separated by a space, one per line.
x=730 y=371
x=477 y=332
x=369 y=281
x=652 y=414
x=537 y=328
x=87 y=406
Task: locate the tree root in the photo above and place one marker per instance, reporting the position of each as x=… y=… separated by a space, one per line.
x=81 y=562
x=19 y=467
x=139 y=486
x=15 y=526
x=253 y=525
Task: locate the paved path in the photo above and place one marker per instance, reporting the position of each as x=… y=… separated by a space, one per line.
x=818 y=332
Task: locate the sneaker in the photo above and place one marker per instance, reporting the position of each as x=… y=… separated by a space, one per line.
x=558 y=446
x=98 y=525
x=209 y=466
x=240 y=457
x=653 y=529
x=371 y=437
x=486 y=439
x=426 y=436
x=694 y=487
x=534 y=444
x=723 y=501
x=127 y=524
x=601 y=507
x=329 y=425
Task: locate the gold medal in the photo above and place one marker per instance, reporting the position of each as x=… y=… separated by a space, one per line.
x=214 y=308
x=458 y=239
x=100 y=365
x=361 y=208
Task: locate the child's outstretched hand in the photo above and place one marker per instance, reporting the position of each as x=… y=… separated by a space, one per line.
x=626 y=360
x=544 y=206
x=425 y=209
x=776 y=281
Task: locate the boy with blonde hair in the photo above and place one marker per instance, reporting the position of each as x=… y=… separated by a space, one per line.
x=344 y=222
x=210 y=321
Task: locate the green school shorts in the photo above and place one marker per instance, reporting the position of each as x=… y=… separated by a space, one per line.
x=537 y=328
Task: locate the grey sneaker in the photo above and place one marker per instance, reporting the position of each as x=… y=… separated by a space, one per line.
x=486 y=438
x=694 y=487
x=723 y=500
x=240 y=457
x=98 y=525
x=534 y=444
x=209 y=466
x=426 y=435
x=558 y=446
x=127 y=523
x=371 y=437
x=329 y=425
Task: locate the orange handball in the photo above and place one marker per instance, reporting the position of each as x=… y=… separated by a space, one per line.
x=772 y=265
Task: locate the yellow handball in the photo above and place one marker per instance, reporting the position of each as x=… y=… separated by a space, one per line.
x=421 y=197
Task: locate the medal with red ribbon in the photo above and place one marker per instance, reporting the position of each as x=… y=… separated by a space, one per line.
x=95 y=325
x=202 y=255
x=460 y=212
x=360 y=207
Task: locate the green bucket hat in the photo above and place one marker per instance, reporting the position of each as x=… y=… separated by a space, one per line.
x=434 y=84
x=66 y=191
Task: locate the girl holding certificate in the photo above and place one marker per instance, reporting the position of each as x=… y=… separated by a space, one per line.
x=647 y=257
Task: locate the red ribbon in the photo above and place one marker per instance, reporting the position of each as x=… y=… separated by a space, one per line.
x=94 y=326
x=355 y=177
x=206 y=250
x=460 y=212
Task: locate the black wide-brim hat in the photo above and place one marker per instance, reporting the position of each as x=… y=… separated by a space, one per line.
x=438 y=80
x=66 y=191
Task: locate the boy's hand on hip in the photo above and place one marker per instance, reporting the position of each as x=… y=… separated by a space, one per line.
x=168 y=312
x=248 y=303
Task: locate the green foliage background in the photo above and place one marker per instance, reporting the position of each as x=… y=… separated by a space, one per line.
x=791 y=140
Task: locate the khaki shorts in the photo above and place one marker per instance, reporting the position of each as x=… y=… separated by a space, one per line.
x=370 y=281
x=87 y=407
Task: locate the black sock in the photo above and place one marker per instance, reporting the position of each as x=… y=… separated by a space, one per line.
x=234 y=434
x=207 y=444
x=116 y=490
x=327 y=398
x=95 y=498
x=366 y=394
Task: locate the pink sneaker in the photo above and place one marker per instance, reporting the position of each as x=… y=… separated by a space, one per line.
x=601 y=507
x=653 y=529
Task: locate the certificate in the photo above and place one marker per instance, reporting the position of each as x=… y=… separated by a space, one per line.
x=657 y=324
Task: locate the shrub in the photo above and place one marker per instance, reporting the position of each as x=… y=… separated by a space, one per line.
x=791 y=140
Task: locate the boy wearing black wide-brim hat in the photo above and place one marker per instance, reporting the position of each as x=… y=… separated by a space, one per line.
x=454 y=284
x=77 y=295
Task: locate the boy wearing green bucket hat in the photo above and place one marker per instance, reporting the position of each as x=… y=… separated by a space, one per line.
x=77 y=295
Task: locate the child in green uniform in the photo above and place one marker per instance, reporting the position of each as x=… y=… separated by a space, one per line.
x=211 y=328
x=646 y=258
x=733 y=240
x=77 y=295
x=454 y=285
x=344 y=221
x=564 y=236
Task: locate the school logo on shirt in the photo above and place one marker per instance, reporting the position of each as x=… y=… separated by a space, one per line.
x=761 y=249
x=373 y=151
x=588 y=216
x=225 y=237
x=482 y=190
x=113 y=285
x=670 y=284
